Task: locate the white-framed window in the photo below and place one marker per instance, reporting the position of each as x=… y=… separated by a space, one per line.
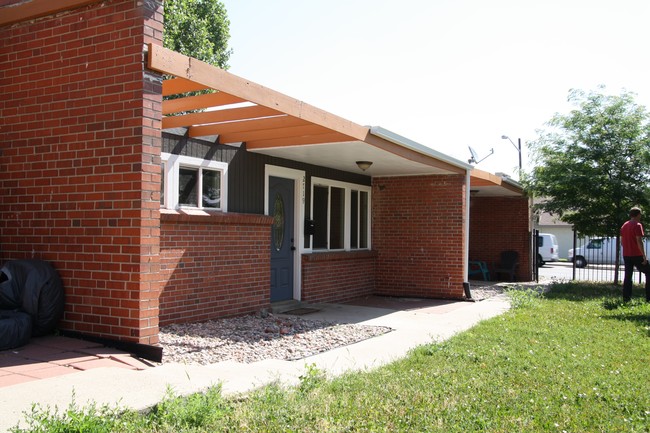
x=189 y=182
x=341 y=215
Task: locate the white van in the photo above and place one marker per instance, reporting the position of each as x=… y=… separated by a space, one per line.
x=548 y=250
x=600 y=251
x=597 y=251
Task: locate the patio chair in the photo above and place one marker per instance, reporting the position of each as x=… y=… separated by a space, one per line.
x=477 y=267
x=507 y=265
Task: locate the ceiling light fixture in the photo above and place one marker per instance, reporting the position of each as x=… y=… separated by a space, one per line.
x=364 y=165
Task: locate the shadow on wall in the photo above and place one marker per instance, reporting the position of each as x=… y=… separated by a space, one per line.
x=213 y=265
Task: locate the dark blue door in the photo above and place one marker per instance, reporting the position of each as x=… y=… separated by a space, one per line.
x=282 y=242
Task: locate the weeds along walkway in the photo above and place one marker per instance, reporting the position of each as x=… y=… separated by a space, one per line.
x=140 y=390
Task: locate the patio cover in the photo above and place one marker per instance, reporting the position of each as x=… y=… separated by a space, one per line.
x=240 y=111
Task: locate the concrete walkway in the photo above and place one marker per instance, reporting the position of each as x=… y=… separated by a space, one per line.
x=414 y=323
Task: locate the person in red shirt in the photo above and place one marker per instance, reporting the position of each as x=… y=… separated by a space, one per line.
x=634 y=254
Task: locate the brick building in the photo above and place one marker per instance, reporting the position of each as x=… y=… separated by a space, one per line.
x=152 y=220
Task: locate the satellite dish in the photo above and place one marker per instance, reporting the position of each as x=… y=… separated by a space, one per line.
x=474 y=156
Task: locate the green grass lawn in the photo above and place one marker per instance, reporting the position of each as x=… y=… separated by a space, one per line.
x=573 y=360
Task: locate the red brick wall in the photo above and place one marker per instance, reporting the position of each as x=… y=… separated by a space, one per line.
x=214 y=266
x=418 y=229
x=498 y=224
x=80 y=160
x=337 y=276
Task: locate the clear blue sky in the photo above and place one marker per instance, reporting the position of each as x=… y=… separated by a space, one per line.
x=446 y=73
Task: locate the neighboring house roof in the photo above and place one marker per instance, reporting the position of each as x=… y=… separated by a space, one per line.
x=546 y=219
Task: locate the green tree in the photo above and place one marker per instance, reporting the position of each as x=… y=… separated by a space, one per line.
x=199 y=29
x=593 y=164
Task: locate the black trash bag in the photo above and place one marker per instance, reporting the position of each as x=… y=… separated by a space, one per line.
x=15 y=329
x=40 y=289
x=10 y=296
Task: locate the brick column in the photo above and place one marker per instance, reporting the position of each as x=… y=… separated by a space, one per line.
x=80 y=161
x=418 y=234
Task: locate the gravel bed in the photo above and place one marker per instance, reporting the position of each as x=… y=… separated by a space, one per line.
x=480 y=293
x=254 y=338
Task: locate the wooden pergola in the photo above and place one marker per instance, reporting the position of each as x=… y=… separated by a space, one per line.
x=242 y=111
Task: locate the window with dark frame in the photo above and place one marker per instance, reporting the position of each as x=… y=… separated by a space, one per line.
x=320 y=209
x=211 y=182
x=354 y=220
x=330 y=219
x=358 y=219
x=188 y=179
x=337 y=218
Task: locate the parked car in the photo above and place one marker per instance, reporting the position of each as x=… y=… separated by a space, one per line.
x=597 y=251
x=548 y=250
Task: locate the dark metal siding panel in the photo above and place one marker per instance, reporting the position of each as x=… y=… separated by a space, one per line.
x=179 y=145
x=246 y=171
x=246 y=180
x=246 y=183
x=342 y=176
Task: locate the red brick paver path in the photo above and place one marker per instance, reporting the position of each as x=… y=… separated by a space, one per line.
x=51 y=356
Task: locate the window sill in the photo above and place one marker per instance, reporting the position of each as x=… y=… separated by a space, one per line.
x=317 y=256
x=214 y=217
x=187 y=211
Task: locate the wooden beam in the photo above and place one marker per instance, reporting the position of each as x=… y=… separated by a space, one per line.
x=411 y=154
x=169 y=62
x=283 y=121
x=187 y=120
x=483 y=178
x=173 y=86
x=482 y=182
x=28 y=10
x=332 y=137
x=267 y=134
x=198 y=102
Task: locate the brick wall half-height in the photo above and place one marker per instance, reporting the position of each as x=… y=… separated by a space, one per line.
x=213 y=265
x=338 y=276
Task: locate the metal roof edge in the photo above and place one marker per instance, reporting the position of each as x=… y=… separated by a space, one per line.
x=417 y=147
x=513 y=182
